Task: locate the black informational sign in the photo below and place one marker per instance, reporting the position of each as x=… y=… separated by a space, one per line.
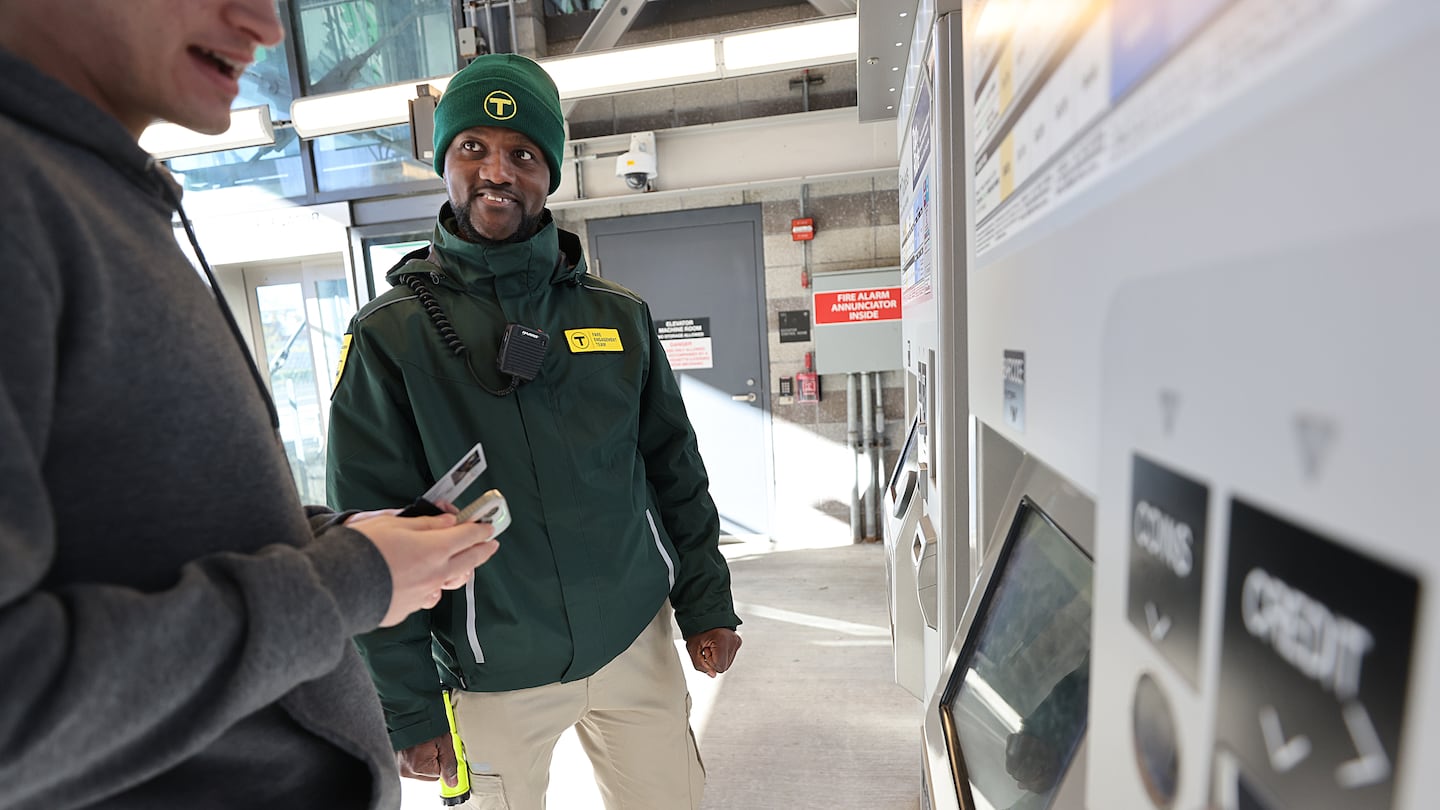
x=1014 y=404
x=683 y=328
x=1167 y=561
x=1314 y=664
x=794 y=325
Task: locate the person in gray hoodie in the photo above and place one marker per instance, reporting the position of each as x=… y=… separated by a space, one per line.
x=175 y=628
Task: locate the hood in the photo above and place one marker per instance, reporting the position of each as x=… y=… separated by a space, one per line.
x=43 y=104
x=552 y=256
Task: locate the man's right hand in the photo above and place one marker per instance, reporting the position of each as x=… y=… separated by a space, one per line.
x=426 y=556
x=429 y=760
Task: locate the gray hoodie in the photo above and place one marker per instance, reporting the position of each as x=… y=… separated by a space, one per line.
x=174 y=630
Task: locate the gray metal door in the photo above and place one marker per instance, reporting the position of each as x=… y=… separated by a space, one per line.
x=700 y=271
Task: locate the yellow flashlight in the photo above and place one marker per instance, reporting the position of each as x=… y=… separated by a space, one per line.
x=459 y=793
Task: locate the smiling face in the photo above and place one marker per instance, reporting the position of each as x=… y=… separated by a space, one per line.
x=497 y=180
x=142 y=60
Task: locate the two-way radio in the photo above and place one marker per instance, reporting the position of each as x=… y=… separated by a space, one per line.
x=522 y=351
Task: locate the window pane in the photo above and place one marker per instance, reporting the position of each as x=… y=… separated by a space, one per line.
x=295 y=385
x=267 y=82
x=273 y=170
x=303 y=331
x=329 y=312
x=376 y=157
x=383 y=254
x=555 y=8
x=349 y=44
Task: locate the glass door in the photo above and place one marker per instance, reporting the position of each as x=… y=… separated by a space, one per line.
x=374 y=249
x=298 y=314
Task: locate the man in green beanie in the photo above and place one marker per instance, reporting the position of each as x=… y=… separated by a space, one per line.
x=496 y=333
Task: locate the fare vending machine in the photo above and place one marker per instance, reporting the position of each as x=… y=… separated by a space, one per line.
x=932 y=535
x=1195 y=261
x=910 y=571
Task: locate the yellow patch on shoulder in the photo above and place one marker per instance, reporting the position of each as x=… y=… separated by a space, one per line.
x=344 y=353
x=593 y=340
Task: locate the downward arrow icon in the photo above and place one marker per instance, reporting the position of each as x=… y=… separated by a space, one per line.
x=1159 y=625
x=1316 y=435
x=1284 y=755
x=1169 y=405
x=1372 y=765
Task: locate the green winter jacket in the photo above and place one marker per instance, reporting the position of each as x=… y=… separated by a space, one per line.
x=596 y=458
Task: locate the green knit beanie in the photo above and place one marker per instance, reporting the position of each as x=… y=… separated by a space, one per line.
x=502 y=90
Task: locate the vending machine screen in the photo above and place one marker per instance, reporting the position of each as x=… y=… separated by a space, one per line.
x=1015 y=705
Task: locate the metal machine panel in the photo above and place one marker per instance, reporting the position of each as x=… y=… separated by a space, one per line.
x=1263 y=633
x=1203 y=259
x=904 y=497
x=933 y=212
x=1218 y=217
x=1116 y=140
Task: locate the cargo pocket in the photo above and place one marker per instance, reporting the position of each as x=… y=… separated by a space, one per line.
x=487 y=792
x=694 y=745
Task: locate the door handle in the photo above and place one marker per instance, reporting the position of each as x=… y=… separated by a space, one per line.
x=750 y=397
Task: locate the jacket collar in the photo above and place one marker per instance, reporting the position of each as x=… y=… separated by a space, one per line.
x=552 y=256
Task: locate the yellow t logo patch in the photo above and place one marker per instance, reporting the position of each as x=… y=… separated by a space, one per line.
x=593 y=340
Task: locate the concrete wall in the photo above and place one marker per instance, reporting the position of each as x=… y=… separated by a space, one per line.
x=857 y=227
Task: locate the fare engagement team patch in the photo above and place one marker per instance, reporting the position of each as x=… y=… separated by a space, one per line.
x=593 y=340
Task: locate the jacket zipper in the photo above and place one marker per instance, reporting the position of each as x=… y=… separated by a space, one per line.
x=664 y=555
x=470 y=590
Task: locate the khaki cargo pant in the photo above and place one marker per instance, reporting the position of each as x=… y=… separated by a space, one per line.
x=632 y=718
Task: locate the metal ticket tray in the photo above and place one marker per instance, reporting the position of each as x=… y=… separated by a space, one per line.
x=904 y=499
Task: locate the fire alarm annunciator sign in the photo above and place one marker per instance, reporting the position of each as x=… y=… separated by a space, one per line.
x=858 y=306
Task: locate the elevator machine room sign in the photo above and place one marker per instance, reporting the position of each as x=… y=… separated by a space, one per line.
x=1314 y=666
x=688 y=343
x=1167 y=562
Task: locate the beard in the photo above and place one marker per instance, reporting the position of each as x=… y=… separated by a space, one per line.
x=528 y=227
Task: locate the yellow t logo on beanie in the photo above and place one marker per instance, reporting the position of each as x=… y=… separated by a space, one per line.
x=500 y=105
x=503 y=90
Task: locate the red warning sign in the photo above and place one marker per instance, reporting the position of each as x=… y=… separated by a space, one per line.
x=858 y=306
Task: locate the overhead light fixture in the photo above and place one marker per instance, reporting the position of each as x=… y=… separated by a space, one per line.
x=248 y=127
x=829 y=40
x=663 y=64
x=621 y=69
x=387 y=105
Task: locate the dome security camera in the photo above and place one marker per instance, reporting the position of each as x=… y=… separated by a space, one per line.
x=637 y=165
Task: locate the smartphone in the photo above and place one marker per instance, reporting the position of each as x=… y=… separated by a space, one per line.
x=488 y=508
